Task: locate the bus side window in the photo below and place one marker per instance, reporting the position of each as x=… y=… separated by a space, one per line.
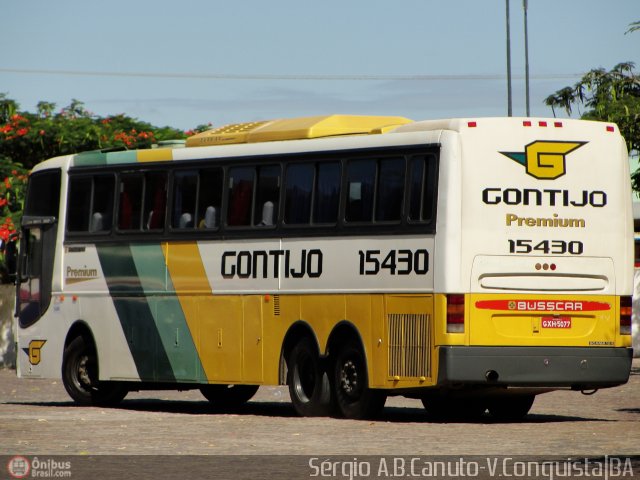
x=79 y=204
x=267 y=196
x=390 y=189
x=185 y=186
x=326 y=194
x=102 y=203
x=90 y=204
x=155 y=200
x=422 y=189
x=298 y=190
x=130 y=210
x=239 y=202
x=361 y=175
x=210 y=197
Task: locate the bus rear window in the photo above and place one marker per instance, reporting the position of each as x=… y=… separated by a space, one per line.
x=422 y=189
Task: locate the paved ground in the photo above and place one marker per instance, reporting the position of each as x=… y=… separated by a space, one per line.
x=37 y=418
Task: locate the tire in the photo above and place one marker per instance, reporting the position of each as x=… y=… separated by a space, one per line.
x=80 y=376
x=308 y=380
x=228 y=396
x=353 y=397
x=454 y=409
x=510 y=408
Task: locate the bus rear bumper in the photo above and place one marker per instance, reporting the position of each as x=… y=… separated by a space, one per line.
x=569 y=367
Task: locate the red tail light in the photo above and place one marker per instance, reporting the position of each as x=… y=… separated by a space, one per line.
x=455 y=313
x=625 y=315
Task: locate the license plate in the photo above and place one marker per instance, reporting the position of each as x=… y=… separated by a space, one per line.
x=556 y=322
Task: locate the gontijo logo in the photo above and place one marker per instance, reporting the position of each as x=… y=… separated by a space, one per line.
x=545 y=159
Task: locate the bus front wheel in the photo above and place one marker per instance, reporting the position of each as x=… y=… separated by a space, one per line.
x=80 y=376
x=353 y=397
x=308 y=381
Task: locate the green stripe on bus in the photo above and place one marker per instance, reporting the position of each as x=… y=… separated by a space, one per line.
x=126 y=156
x=170 y=321
x=134 y=313
x=88 y=159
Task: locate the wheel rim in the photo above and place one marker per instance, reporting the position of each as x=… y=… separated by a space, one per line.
x=350 y=379
x=304 y=377
x=82 y=376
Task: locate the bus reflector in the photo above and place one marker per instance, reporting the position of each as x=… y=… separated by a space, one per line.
x=455 y=313
x=610 y=128
x=472 y=124
x=557 y=124
x=526 y=123
x=625 y=315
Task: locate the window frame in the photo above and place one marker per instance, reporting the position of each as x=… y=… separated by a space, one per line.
x=280 y=229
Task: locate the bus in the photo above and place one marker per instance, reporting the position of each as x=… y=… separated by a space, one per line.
x=468 y=263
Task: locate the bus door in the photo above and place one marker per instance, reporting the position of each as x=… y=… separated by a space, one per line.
x=37 y=249
x=38 y=245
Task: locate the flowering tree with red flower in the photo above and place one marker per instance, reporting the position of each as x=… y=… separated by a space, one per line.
x=27 y=138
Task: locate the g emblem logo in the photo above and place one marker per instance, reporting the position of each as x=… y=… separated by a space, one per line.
x=543 y=159
x=34 y=351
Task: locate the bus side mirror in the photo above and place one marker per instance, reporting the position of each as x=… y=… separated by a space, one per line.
x=10 y=250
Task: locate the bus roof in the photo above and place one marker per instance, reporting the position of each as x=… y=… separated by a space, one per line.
x=296 y=129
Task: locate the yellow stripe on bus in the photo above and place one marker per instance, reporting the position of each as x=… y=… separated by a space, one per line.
x=155 y=155
x=191 y=286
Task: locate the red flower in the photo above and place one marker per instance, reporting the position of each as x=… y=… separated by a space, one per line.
x=22 y=131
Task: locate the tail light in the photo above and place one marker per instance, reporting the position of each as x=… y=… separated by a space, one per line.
x=455 y=313
x=625 y=315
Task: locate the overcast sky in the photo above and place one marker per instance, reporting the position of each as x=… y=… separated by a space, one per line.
x=198 y=61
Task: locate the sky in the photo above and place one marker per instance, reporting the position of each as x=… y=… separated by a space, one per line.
x=194 y=62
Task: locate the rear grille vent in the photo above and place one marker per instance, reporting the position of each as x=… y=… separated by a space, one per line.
x=409 y=345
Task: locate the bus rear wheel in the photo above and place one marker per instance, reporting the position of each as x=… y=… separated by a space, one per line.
x=510 y=408
x=308 y=381
x=228 y=396
x=353 y=397
x=80 y=376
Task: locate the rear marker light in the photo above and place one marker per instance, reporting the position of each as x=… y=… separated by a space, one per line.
x=610 y=128
x=542 y=124
x=526 y=123
x=557 y=124
x=545 y=266
x=472 y=124
x=455 y=313
x=625 y=315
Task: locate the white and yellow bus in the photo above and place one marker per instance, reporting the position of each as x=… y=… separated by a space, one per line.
x=470 y=263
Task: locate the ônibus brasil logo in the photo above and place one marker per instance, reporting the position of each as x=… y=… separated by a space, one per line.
x=18 y=467
x=544 y=159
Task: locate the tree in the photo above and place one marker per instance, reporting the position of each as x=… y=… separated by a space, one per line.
x=609 y=96
x=27 y=138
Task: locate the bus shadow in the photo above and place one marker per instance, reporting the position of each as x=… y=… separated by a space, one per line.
x=415 y=415
x=628 y=410
x=286 y=410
